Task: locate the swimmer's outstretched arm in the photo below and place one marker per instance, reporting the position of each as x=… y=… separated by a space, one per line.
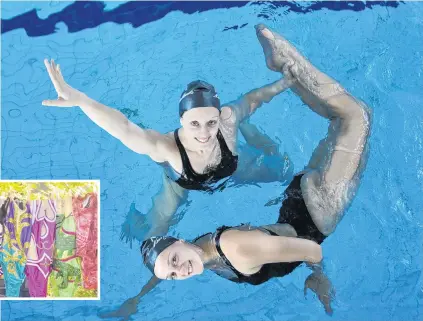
x=248 y=103
x=129 y=307
x=259 y=248
x=147 y=142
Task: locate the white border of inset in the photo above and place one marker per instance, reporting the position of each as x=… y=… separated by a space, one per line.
x=98 y=239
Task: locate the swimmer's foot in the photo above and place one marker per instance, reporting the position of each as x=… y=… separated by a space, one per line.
x=275 y=57
x=283 y=57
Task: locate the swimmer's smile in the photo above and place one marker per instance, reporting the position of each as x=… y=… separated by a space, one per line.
x=203 y=140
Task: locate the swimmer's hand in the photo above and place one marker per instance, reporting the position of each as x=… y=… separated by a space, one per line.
x=125 y=311
x=319 y=283
x=67 y=96
x=130 y=306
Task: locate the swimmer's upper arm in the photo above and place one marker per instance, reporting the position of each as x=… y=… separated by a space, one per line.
x=239 y=110
x=247 y=104
x=145 y=141
x=261 y=248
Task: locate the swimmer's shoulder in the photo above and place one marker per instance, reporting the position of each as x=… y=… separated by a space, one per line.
x=234 y=112
x=245 y=234
x=228 y=124
x=242 y=245
x=281 y=229
x=167 y=146
x=227 y=114
x=242 y=234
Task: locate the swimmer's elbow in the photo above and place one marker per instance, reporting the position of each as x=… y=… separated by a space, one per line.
x=315 y=255
x=120 y=128
x=297 y=249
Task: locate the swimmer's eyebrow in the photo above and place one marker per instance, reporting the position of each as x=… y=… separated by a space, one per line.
x=168 y=263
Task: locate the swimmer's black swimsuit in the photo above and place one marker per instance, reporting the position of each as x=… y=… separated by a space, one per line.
x=194 y=181
x=293 y=212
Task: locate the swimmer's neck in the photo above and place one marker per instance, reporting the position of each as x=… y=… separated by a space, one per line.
x=208 y=254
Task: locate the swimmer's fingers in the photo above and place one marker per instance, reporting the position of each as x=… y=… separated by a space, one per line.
x=288 y=71
x=53 y=75
x=67 y=96
x=60 y=102
x=286 y=83
x=59 y=75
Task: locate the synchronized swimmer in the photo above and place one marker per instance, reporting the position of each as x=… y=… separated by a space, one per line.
x=313 y=205
x=203 y=155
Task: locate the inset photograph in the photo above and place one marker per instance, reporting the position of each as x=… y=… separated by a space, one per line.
x=49 y=238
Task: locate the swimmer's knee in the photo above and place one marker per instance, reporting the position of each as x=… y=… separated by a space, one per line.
x=363 y=117
x=360 y=110
x=366 y=112
x=357 y=114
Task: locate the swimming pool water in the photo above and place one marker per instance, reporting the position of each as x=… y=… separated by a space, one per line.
x=137 y=58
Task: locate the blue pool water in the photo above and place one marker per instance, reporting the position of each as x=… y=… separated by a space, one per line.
x=137 y=58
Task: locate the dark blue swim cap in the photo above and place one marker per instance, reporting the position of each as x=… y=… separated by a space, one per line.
x=152 y=247
x=198 y=94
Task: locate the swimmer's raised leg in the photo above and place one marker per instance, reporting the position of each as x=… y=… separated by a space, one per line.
x=313 y=86
x=160 y=217
x=258 y=139
x=333 y=172
x=335 y=167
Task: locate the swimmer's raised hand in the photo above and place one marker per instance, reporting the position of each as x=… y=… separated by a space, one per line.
x=146 y=142
x=67 y=96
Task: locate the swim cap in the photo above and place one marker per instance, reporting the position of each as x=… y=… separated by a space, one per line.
x=198 y=94
x=152 y=247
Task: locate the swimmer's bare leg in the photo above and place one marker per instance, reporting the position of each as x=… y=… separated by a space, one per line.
x=254 y=166
x=270 y=166
x=258 y=139
x=334 y=169
x=165 y=205
x=160 y=217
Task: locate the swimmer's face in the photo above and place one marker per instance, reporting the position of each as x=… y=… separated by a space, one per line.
x=179 y=261
x=201 y=125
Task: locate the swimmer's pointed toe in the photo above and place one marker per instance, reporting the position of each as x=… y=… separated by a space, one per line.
x=260 y=27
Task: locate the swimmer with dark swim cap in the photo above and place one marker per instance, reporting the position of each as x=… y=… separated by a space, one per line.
x=314 y=202
x=198 y=94
x=204 y=154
